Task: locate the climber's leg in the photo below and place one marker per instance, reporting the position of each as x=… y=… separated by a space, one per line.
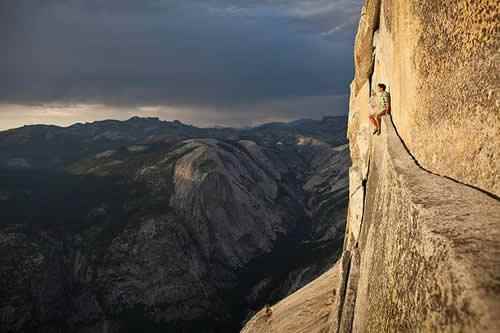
x=375 y=123
x=379 y=121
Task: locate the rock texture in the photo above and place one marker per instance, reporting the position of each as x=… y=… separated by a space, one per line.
x=422 y=244
x=306 y=310
x=426 y=257
x=441 y=64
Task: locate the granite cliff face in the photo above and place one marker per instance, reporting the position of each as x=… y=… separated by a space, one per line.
x=440 y=62
x=422 y=244
x=157 y=226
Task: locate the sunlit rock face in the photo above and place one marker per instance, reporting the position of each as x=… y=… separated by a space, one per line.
x=440 y=63
x=421 y=247
x=422 y=243
x=170 y=229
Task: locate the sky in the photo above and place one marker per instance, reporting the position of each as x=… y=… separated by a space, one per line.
x=204 y=62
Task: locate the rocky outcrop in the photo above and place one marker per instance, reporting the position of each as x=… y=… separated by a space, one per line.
x=422 y=244
x=306 y=310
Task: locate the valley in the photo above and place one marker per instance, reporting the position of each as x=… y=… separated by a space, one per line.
x=114 y=226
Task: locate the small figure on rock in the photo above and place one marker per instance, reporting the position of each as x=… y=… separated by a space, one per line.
x=268 y=311
x=380 y=105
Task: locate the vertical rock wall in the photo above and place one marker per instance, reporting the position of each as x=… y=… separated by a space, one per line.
x=423 y=249
x=429 y=251
x=440 y=61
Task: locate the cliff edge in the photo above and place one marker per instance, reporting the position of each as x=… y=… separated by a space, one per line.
x=422 y=245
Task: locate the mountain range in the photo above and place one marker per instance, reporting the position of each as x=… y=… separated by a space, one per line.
x=115 y=226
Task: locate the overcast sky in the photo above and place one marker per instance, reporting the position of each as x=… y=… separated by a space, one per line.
x=205 y=62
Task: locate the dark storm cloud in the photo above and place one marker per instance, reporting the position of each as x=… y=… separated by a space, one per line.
x=211 y=53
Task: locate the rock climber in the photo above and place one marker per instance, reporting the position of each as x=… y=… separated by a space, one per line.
x=381 y=105
x=268 y=312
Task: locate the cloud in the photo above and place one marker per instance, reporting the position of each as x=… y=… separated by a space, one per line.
x=315 y=107
x=226 y=55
